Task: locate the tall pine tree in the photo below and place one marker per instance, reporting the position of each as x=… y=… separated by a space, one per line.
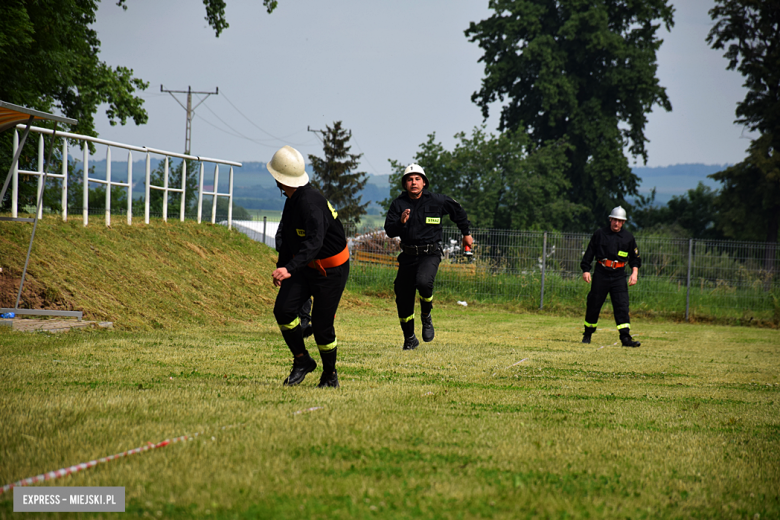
x=335 y=176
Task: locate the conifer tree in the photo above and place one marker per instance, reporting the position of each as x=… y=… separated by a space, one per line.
x=336 y=177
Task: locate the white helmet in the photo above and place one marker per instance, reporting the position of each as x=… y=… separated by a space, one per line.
x=618 y=213
x=416 y=169
x=288 y=168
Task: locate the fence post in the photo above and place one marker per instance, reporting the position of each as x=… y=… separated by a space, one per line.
x=183 y=189
x=129 y=188
x=147 y=189
x=108 y=186
x=85 y=185
x=15 y=179
x=64 y=180
x=688 y=295
x=214 y=199
x=265 y=222
x=41 y=187
x=230 y=200
x=200 y=194
x=544 y=263
x=165 y=191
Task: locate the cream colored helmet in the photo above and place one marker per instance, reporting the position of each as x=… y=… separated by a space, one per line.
x=618 y=213
x=416 y=169
x=288 y=168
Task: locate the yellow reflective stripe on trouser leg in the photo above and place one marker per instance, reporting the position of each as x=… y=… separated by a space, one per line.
x=590 y=324
x=290 y=326
x=426 y=299
x=624 y=326
x=328 y=347
x=407 y=319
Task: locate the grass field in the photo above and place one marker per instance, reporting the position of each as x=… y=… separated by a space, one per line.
x=504 y=415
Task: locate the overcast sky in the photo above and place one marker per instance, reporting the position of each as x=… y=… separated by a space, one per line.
x=391 y=71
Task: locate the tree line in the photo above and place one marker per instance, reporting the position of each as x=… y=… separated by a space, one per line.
x=574 y=81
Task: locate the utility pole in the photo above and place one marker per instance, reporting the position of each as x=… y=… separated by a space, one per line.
x=189 y=108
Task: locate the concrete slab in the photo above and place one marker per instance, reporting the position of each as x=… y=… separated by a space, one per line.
x=53 y=325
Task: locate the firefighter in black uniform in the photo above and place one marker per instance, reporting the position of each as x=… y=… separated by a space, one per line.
x=613 y=248
x=415 y=216
x=313 y=261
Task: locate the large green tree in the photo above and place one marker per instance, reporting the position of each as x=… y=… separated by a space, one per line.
x=49 y=60
x=503 y=181
x=336 y=175
x=580 y=70
x=749 y=30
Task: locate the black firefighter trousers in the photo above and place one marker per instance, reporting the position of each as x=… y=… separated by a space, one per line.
x=415 y=274
x=615 y=285
x=326 y=290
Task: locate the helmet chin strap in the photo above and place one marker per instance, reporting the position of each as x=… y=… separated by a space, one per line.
x=281 y=189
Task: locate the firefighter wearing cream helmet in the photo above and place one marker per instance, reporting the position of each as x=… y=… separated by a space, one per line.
x=416 y=216
x=613 y=248
x=313 y=261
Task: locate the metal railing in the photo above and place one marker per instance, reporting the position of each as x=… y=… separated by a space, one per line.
x=128 y=183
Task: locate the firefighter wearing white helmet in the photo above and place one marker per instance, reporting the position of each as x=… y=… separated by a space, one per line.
x=613 y=248
x=313 y=261
x=416 y=217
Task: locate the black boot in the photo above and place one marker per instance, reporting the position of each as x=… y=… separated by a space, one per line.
x=588 y=333
x=626 y=340
x=410 y=340
x=329 y=380
x=427 y=328
x=301 y=366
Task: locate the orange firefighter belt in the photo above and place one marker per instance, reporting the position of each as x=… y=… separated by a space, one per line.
x=332 y=261
x=614 y=264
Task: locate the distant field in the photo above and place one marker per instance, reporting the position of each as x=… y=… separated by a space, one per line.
x=366 y=221
x=504 y=415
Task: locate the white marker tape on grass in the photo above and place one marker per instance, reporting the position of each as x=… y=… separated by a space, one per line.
x=86 y=465
x=513 y=364
x=313 y=409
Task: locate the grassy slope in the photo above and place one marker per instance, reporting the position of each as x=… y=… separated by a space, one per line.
x=157 y=276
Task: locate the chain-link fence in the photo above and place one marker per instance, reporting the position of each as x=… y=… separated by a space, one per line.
x=679 y=277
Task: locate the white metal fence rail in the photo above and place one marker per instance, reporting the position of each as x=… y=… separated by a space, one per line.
x=108 y=182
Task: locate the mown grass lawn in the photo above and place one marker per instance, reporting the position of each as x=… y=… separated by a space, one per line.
x=504 y=415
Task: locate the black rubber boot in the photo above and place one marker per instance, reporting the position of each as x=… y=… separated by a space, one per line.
x=588 y=333
x=411 y=343
x=329 y=380
x=626 y=340
x=410 y=340
x=301 y=366
x=427 y=328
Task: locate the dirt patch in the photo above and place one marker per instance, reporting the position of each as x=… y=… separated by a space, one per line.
x=34 y=296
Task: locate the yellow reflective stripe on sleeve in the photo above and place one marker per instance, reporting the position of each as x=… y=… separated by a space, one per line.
x=328 y=347
x=624 y=326
x=290 y=326
x=590 y=324
x=408 y=319
x=623 y=253
x=333 y=211
x=426 y=299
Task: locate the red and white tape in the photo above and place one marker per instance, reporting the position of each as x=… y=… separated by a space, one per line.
x=51 y=475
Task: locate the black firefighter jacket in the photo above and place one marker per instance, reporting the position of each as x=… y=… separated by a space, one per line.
x=424 y=225
x=310 y=230
x=606 y=244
